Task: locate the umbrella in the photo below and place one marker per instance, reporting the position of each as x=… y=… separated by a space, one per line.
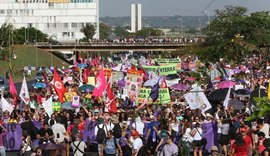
x=226 y=84
x=39 y=85
x=218 y=95
x=81 y=65
x=66 y=105
x=191 y=78
x=236 y=104
x=50 y=146
x=86 y=88
x=242 y=92
x=179 y=87
x=150 y=83
x=257 y=93
x=121 y=83
x=172 y=76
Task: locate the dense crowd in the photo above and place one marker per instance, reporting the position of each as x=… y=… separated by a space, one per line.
x=131 y=129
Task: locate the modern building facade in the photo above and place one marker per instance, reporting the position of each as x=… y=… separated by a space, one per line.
x=135 y=17
x=62 y=20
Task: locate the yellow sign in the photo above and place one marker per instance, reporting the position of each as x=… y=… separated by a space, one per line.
x=91 y=81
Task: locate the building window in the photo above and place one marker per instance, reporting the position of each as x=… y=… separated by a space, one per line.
x=65 y=34
x=51 y=5
x=9 y=12
x=2 y=11
x=65 y=25
x=73 y=25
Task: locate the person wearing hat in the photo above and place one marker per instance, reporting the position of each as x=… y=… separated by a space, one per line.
x=137 y=142
x=209 y=123
x=214 y=151
x=151 y=135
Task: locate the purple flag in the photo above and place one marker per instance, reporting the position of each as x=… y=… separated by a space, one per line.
x=154 y=92
x=208 y=133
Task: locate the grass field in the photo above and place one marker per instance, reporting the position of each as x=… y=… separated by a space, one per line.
x=26 y=55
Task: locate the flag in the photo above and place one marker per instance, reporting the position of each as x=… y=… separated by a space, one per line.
x=268 y=90
x=47 y=105
x=59 y=86
x=12 y=88
x=6 y=105
x=112 y=106
x=101 y=84
x=154 y=92
x=24 y=94
x=226 y=101
x=33 y=104
x=163 y=83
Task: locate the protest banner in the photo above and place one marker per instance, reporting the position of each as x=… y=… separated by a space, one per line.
x=91 y=80
x=163 y=97
x=161 y=70
x=174 y=61
x=56 y=106
x=12 y=141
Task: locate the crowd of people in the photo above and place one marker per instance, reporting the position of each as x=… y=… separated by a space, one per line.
x=132 y=129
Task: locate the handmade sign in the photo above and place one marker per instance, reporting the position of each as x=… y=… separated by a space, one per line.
x=163 y=97
x=56 y=106
x=161 y=70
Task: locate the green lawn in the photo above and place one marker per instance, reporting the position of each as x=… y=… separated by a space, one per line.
x=26 y=55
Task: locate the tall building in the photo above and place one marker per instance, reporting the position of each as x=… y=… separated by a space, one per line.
x=135 y=17
x=60 y=19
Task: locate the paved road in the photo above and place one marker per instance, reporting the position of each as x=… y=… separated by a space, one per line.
x=19 y=85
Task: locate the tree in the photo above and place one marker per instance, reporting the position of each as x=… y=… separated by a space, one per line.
x=121 y=32
x=32 y=34
x=146 y=32
x=261 y=109
x=89 y=31
x=104 y=31
x=7 y=34
x=232 y=34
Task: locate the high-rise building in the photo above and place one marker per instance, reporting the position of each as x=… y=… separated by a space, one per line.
x=135 y=17
x=139 y=17
x=60 y=19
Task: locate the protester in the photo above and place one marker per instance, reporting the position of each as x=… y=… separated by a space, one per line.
x=136 y=143
x=78 y=146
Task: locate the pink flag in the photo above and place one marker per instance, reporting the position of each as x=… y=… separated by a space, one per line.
x=12 y=88
x=101 y=84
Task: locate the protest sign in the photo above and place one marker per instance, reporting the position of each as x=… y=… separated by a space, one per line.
x=91 y=80
x=56 y=106
x=173 y=61
x=161 y=70
x=163 y=97
x=12 y=141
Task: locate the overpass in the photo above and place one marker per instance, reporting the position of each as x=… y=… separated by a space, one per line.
x=116 y=47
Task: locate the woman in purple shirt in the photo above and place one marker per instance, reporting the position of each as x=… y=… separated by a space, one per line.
x=3 y=132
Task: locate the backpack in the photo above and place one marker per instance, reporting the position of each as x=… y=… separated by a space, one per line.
x=101 y=135
x=117 y=131
x=115 y=144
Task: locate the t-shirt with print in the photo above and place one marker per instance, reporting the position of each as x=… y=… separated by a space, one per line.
x=110 y=145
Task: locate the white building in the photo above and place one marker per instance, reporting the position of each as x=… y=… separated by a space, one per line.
x=135 y=17
x=60 y=19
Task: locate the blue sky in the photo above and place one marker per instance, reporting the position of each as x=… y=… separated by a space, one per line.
x=177 y=7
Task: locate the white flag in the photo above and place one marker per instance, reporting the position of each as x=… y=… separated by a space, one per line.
x=227 y=98
x=6 y=105
x=24 y=94
x=47 y=105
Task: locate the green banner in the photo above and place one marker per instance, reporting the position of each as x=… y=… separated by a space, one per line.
x=163 y=97
x=161 y=70
x=165 y=62
x=175 y=60
x=56 y=106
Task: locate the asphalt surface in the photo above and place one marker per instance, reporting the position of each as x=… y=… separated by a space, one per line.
x=18 y=86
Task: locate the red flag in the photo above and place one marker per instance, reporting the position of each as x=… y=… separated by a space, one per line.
x=101 y=84
x=12 y=88
x=59 y=86
x=112 y=107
